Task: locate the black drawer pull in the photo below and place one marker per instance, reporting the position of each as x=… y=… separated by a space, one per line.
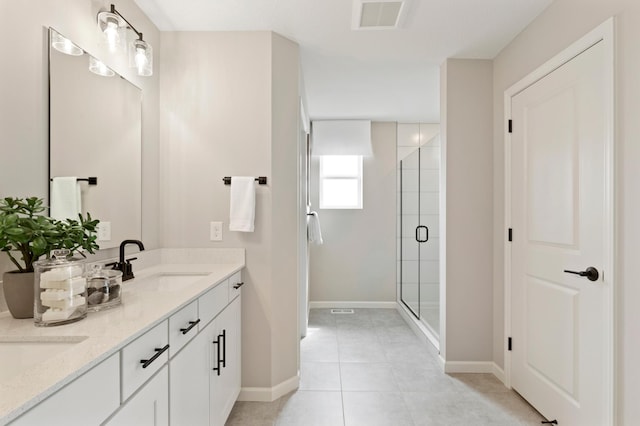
x=224 y=349
x=159 y=351
x=191 y=325
x=237 y=286
x=217 y=343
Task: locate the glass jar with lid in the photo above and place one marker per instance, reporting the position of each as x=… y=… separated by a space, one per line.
x=103 y=288
x=60 y=290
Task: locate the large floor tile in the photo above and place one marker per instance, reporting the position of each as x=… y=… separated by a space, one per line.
x=367 y=349
x=254 y=414
x=311 y=408
x=319 y=349
x=375 y=409
x=323 y=376
x=369 y=376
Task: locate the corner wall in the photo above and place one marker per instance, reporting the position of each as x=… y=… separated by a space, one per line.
x=467 y=142
x=229 y=107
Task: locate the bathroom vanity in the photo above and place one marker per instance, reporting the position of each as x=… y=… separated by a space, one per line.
x=170 y=354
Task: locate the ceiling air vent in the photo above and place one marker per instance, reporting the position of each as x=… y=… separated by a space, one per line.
x=376 y=15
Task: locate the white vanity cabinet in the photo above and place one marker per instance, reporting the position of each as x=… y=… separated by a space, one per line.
x=148 y=407
x=205 y=374
x=225 y=371
x=183 y=370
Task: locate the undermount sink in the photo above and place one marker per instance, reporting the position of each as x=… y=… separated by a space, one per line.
x=18 y=355
x=165 y=281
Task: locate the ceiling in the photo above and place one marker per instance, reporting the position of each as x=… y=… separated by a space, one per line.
x=364 y=74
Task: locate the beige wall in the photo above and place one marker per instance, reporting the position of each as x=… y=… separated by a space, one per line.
x=229 y=107
x=24 y=98
x=357 y=260
x=562 y=23
x=466 y=114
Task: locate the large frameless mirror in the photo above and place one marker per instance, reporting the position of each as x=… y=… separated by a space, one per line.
x=95 y=140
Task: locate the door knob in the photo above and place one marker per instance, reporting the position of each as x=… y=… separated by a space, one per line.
x=591 y=273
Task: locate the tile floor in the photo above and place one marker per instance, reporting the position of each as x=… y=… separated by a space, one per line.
x=369 y=369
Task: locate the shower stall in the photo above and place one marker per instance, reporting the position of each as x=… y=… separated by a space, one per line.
x=418 y=224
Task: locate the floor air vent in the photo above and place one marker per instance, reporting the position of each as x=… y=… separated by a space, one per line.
x=342 y=311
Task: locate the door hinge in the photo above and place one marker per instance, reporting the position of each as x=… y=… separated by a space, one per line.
x=509 y=343
x=510 y=237
x=510 y=126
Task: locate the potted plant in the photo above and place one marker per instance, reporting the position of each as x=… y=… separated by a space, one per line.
x=26 y=235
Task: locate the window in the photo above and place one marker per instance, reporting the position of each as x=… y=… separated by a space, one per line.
x=341 y=182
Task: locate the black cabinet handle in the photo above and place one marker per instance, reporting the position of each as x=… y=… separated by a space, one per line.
x=191 y=325
x=237 y=286
x=591 y=273
x=159 y=351
x=224 y=348
x=217 y=343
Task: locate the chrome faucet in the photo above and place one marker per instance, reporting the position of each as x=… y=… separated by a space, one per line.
x=125 y=265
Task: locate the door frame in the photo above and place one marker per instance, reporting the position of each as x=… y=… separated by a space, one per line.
x=604 y=33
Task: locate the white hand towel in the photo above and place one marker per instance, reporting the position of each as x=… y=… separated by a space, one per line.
x=66 y=201
x=243 y=204
x=314 y=232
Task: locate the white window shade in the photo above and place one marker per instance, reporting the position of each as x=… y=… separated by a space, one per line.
x=342 y=137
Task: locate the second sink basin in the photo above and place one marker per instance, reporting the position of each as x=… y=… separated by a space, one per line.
x=165 y=281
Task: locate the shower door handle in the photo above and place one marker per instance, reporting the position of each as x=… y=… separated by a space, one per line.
x=426 y=238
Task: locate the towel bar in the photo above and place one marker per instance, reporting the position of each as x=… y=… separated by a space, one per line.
x=262 y=180
x=92 y=180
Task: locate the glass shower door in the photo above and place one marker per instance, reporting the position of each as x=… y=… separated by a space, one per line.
x=409 y=223
x=419 y=228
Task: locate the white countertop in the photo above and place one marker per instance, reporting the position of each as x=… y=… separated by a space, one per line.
x=106 y=332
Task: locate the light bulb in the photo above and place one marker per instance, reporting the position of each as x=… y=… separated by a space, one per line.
x=141 y=59
x=113 y=38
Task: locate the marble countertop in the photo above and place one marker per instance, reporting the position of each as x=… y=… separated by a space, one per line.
x=104 y=333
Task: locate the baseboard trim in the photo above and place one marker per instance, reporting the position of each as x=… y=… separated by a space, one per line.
x=269 y=394
x=499 y=373
x=357 y=305
x=468 y=367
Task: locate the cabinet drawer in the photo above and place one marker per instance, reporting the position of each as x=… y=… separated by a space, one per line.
x=146 y=347
x=90 y=399
x=235 y=285
x=212 y=302
x=183 y=326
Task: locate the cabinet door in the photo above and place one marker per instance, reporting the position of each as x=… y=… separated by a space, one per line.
x=225 y=378
x=189 y=374
x=149 y=407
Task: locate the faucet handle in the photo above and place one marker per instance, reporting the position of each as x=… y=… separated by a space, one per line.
x=114 y=265
x=130 y=259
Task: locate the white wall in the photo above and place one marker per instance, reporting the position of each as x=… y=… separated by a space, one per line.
x=466 y=114
x=357 y=260
x=24 y=98
x=562 y=23
x=229 y=107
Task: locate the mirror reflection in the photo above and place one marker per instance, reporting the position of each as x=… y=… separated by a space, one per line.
x=95 y=142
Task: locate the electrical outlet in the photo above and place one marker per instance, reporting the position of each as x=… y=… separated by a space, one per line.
x=215 y=231
x=104 y=231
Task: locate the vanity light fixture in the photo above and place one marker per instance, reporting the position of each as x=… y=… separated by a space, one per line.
x=113 y=25
x=96 y=66
x=64 y=45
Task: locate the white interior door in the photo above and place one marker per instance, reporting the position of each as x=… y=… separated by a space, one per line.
x=559 y=319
